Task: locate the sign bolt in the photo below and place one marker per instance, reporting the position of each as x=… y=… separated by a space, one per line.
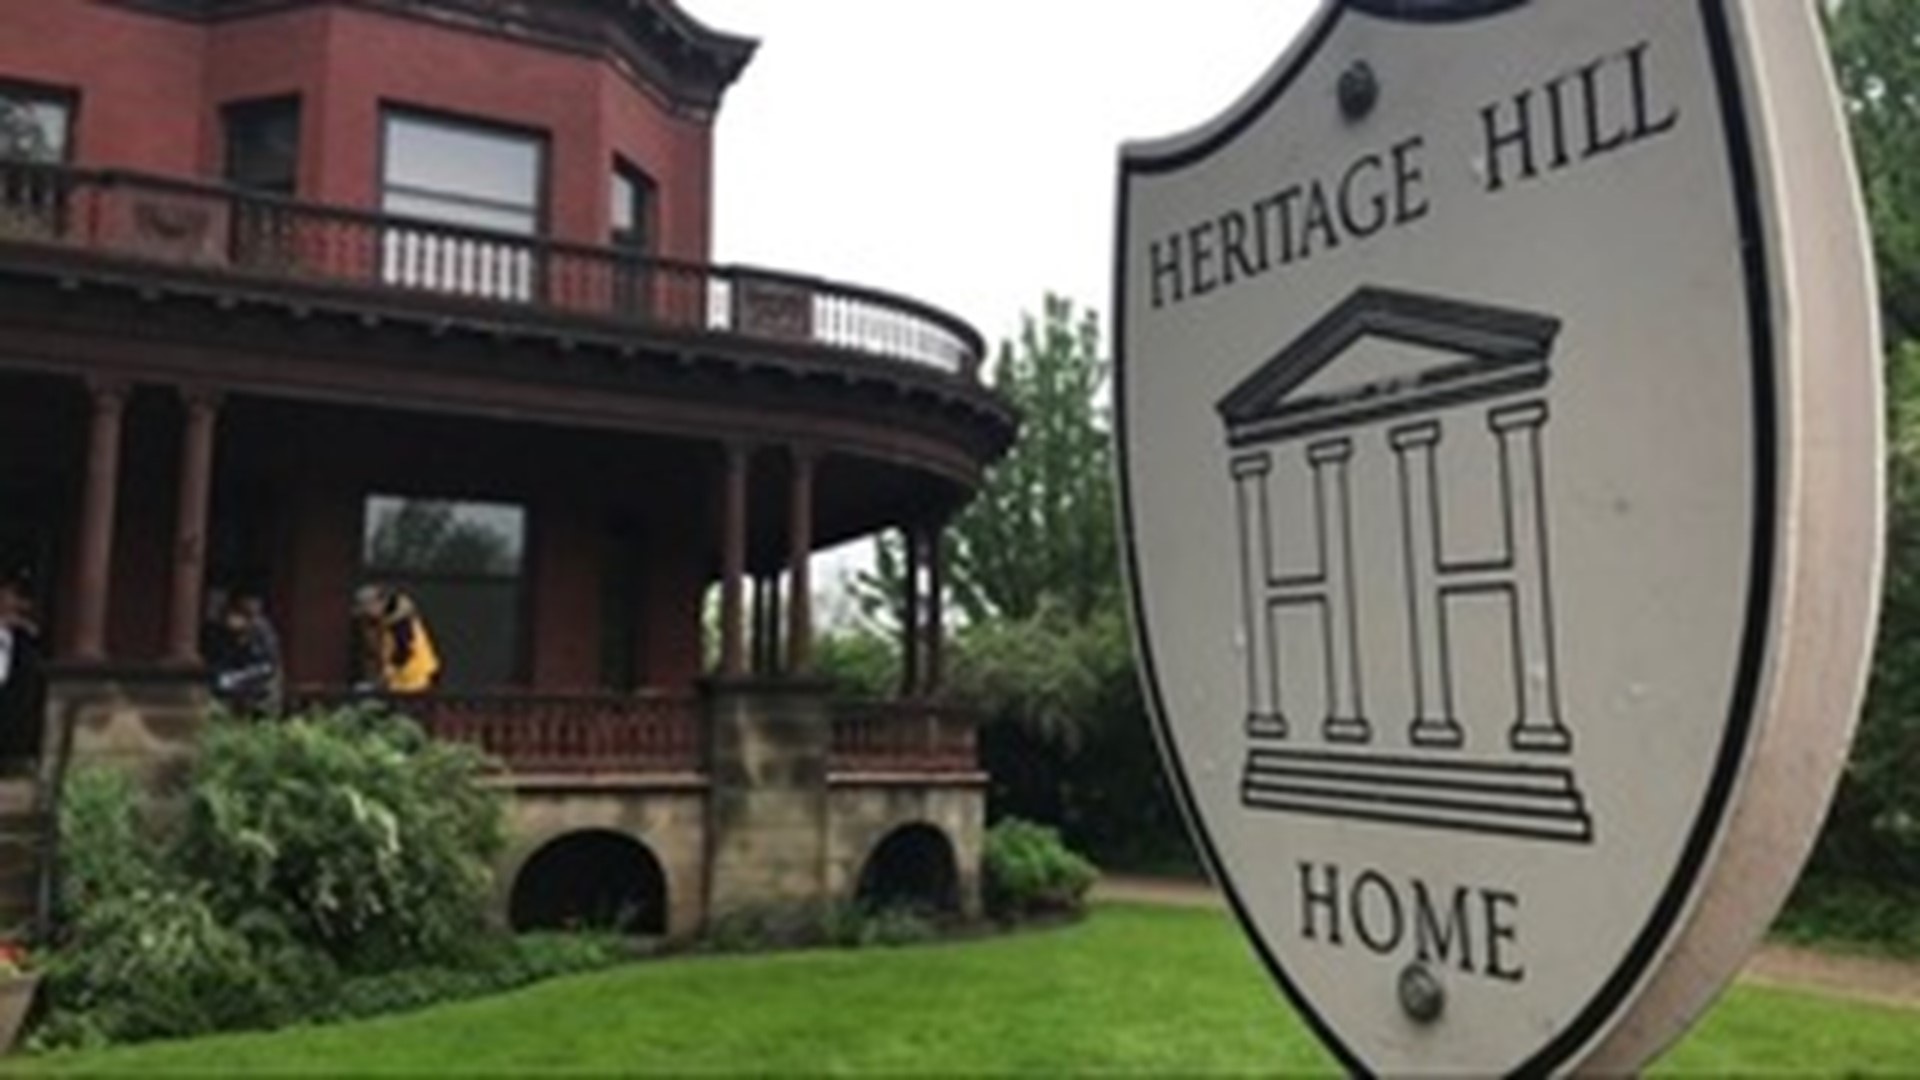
x=1421 y=995
x=1359 y=90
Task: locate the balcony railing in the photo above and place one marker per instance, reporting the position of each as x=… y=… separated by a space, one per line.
x=903 y=737
x=264 y=238
x=572 y=734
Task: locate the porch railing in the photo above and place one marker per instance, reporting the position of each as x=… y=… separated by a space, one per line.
x=570 y=734
x=265 y=238
x=903 y=737
x=653 y=732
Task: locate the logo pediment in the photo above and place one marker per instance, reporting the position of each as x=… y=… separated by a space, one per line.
x=1453 y=351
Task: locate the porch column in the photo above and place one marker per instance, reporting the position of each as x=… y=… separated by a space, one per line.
x=93 y=564
x=770 y=658
x=800 y=567
x=910 y=618
x=733 y=562
x=756 y=624
x=190 y=525
x=936 y=607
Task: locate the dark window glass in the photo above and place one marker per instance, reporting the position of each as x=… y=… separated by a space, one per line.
x=632 y=220
x=35 y=125
x=633 y=209
x=463 y=564
x=620 y=604
x=263 y=145
x=462 y=173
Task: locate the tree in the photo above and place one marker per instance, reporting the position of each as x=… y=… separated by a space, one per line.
x=1874 y=827
x=1042 y=526
x=1043 y=652
x=1876 y=55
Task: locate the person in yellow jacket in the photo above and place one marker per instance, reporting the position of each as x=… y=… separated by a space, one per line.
x=398 y=651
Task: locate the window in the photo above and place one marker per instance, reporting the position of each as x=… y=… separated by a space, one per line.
x=263 y=154
x=462 y=173
x=463 y=563
x=632 y=220
x=634 y=196
x=263 y=145
x=36 y=127
x=470 y=176
x=36 y=124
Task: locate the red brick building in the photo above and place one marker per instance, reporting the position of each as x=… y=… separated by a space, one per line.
x=300 y=294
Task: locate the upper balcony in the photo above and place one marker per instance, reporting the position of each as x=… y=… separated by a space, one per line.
x=729 y=335
x=262 y=239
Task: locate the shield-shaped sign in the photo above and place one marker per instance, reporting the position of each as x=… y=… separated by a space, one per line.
x=1499 y=424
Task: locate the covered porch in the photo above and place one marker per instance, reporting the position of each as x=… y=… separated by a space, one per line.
x=602 y=476
x=586 y=589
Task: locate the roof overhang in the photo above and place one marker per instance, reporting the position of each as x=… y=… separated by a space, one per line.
x=688 y=61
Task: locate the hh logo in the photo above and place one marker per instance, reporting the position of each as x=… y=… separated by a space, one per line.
x=1347 y=432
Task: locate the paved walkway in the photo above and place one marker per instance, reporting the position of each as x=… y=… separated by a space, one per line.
x=1857 y=978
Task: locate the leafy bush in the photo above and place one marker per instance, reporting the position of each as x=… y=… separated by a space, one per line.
x=1029 y=871
x=858 y=663
x=368 y=840
x=764 y=927
x=1873 y=916
x=158 y=961
x=197 y=978
x=102 y=849
x=896 y=926
x=1066 y=737
x=313 y=860
x=815 y=924
x=501 y=964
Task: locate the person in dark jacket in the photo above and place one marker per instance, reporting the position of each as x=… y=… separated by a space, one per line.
x=245 y=659
x=23 y=683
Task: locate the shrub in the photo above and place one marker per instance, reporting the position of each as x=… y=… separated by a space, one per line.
x=1874 y=916
x=311 y=856
x=190 y=976
x=1066 y=737
x=157 y=961
x=895 y=926
x=858 y=663
x=764 y=927
x=499 y=965
x=842 y=924
x=1029 y=871
x=544 y=955
x=366 y=839
x=103 y=853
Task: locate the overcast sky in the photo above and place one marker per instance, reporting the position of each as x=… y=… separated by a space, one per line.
x=964 y=153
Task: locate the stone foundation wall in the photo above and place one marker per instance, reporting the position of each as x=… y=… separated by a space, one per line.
x=767 y=808
x=668 y=815
x=863 y=811
x=767 y=825
x=146 y=723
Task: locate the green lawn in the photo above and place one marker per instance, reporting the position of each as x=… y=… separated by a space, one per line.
x=1133 y=989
